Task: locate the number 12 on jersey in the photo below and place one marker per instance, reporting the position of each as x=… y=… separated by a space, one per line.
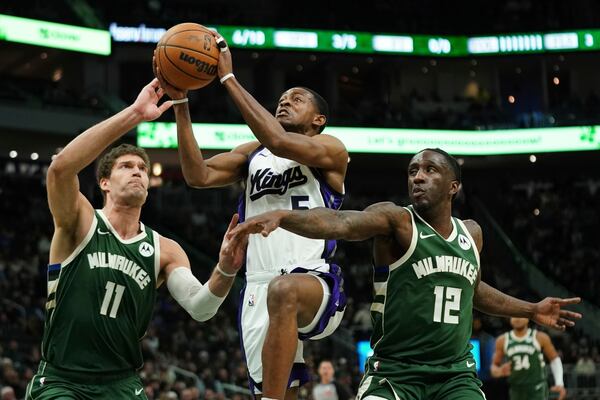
x=111 y=288
x=445 y=303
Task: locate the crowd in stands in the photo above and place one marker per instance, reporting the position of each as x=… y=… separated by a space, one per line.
x=185 y=359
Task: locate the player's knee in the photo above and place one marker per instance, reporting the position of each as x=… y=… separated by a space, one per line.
x=282 y=294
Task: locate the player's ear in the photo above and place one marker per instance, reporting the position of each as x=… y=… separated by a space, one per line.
x=455 y=187
x=319 y=120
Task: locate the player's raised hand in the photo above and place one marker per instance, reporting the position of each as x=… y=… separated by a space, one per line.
x=225 y=63
x=146 y=104
x=233 y=248
x=171 y=91
x=548 y=312
x=263 y=224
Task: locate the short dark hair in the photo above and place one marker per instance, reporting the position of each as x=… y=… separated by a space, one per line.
x=321 y=104
x=454 y=165
x=107 y=162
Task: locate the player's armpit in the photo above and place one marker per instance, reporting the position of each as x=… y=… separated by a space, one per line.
x=220 y=170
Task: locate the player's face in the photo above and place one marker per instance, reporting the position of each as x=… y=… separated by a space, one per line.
x=128 y=182
x=430 y=180
x=519 y=323
x=296 y=110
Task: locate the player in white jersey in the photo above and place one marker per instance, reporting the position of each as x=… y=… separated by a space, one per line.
x=292 y=292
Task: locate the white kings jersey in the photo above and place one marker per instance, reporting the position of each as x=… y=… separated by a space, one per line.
x=276 y=183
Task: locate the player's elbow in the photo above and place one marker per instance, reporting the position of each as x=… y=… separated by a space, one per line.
x=58 y=167
x=195 y=180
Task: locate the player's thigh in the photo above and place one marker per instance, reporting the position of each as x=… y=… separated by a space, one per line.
x=50 y=388
x=130 y=388
x=461 y=388
x=379 y=388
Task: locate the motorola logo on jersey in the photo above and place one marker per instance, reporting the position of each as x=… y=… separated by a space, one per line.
x=146 y=249
x=265 y=181
x=464 y=242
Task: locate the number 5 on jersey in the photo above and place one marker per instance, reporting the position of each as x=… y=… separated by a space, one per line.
x=446 y=302
x=111 y=288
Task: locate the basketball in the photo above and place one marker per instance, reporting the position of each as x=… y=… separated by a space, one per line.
x=187 y=56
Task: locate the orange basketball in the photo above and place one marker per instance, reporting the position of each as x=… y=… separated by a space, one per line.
x=187 y=56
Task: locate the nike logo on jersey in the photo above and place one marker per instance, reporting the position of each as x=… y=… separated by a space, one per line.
x=425 y=236
x=539 y=386
x=138 y=391
x=470 y=364
x=265 y=181
x=100 y=232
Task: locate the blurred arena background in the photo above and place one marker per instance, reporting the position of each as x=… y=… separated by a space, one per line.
x=520 y=77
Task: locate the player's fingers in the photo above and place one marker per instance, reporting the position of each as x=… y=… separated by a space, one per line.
x=154 y=84
x=165 y=106
x=572 y=300
x=221 y=43
x=570 y=314
x=234 y=220
x=566 y=322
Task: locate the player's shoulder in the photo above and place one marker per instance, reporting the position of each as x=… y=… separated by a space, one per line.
x=389 y=208
x=246 y=148
x=502 y=337
x=330 y=140
x=168 y=246
x=542 y=337
x=472 y=226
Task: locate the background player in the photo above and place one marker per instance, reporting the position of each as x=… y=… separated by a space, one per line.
x=105 y=265
x=426 y=281
x=525 y=349
x=291 y=166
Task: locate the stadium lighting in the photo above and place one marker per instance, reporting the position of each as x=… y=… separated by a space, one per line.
x=35 y=156
x=13 y=154
x=532 y=158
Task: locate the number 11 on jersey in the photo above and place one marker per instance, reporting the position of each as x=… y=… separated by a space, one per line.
x=446 y=303
x=112 y=287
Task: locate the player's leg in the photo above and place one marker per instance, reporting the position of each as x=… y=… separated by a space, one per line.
x=51 y=388
x=462 y=387
x=293 y=300
x=129 y=388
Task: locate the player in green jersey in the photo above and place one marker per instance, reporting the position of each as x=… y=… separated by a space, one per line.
x=525 y=349
x=105 y=266
x=426 y=281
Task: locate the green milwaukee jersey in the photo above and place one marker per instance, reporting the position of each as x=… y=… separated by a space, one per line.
x=423 y=305
x=526 y=358
x=100 y=301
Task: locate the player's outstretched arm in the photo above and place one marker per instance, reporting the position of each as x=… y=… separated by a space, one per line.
x=320 y=151
x=497 y=369
x=62 y=183
x=324 y=223
x=547 y=312
x=220 y=170
x=202 y=301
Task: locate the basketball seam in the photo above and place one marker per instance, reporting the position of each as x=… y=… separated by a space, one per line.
x=187 y=48
x=190 y=75
x=186 y=30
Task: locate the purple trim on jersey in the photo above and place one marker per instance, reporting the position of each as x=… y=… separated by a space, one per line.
x=337 y=300
x=299 y=372
x=241 y=210
x=333 y=200
x=239 y=323
x=252 y=155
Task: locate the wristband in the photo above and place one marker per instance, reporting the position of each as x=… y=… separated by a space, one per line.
x=179 y=101
x=218 y=268
x=226 y=76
